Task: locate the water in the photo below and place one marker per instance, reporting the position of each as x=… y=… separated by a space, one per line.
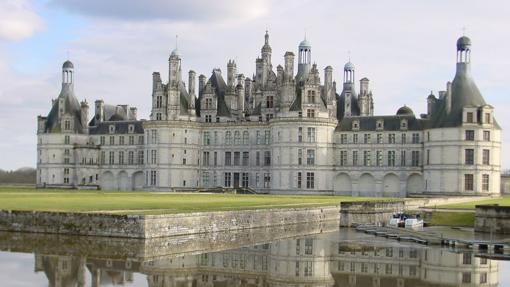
x=331 y=258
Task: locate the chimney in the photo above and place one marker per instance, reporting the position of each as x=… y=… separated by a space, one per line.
x=289 y=66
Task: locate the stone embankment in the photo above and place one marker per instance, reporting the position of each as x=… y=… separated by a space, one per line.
x=153 y=226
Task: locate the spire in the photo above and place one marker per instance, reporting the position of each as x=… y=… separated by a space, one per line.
x=266 y=37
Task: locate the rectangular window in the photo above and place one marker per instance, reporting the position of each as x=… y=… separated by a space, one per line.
x=391 y=138
x=205 y=159
x=379 y=138
x=310 y=157
x=308 y=246
x=102 y=140
x=244 y=179
x=403 y=158
x=131 y=140
x=486 y=136
x=103 y=157
x=469 y=117
x=366 y=158
x=228 y=158
x=228 y=138
x=215 y=158
x=259 y=138
x=111 y=159
x=468 y=182
x=404 y=138
x=355 y=138
x=205 y=179
x=267 y=180
x=470 y=135
x=140 y=157
x=153 y=156
x=300 y=134
x=466 y=258
x=207 y=140
x=486 y=157
x=469 y=156
x=343 y=158
x=391 y=158
x=237 y=158
x=246 y=138
x=246 y=158
x=378 y=158
x=366 y=138
x=154 y=136
x=415 y=158
x=355 y=158
x=121 y=140
x=311 y=135
x=310 y=180
x=140 y=140
x=112 y=140
x=343 y=138
x=483 y=278
x=299 y=180
x=485 y=182
x=267 y=158
x=131 y=157
x=228 y=179
x=300 y=156
x=310 y=113
x=237 y=138
x=428 y=156
x=487 y=118
x=257 y=158
x=267 y=137
x=269 y=102
x=121 y=157
x=416 y=138
x=466 y=276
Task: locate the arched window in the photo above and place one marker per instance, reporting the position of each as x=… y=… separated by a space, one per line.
x=228 y=137
x=246 y=137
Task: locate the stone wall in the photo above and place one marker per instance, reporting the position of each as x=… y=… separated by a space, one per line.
x=152 y=226
x=492 y=218
x=371 y=212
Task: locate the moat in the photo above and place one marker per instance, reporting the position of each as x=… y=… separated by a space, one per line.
x=316 y=254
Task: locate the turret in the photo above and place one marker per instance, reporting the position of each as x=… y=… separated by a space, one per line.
x=304 y=59
x=363 y=83
x=289 y=66
x=431 y=102
x=68 y=73
x=231 y=73
x=349 y=90
x=266 y=50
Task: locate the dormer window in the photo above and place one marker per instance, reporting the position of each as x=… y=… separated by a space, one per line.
x=469 y=117
x=131 y=129
x=111 y=129
x=355 y=125
x=487 y=118
x=379 y=125
x=403 y=124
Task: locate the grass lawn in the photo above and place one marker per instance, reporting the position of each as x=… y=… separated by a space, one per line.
x=503 y=201
x=464 y=219
x=23 y=198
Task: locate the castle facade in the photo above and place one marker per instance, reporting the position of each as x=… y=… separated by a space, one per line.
x=281 y=131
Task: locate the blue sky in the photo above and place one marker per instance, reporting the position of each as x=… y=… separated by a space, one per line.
x=406 y=48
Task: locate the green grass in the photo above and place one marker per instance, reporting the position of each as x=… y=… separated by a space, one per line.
x=23 y=198
x=503 y=201
x=464 y=219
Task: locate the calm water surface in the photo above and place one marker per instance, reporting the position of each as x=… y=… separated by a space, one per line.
x=337 y=258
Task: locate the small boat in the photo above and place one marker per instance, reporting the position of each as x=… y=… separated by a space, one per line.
x=415 y=222
x=397 y=220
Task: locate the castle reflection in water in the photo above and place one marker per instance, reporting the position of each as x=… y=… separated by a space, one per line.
x=315 y=261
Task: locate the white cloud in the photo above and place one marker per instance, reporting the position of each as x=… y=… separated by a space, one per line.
x=18 y=20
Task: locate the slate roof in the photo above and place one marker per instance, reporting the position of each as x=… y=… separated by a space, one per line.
x=391 y=123
x=71 y=107
x=121 y=127
x=219 y=85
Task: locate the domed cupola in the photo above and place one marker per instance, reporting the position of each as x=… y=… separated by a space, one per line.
x=304 y=59
x=405 y=111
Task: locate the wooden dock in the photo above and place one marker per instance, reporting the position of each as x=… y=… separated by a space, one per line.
x=490 y=249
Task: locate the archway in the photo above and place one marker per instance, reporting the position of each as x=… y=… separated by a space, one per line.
x=108 y=181
x=342 y=184
x=124 y=183
x=415 y=183
x=366 y=185
x=137 y=180
x=391 y=185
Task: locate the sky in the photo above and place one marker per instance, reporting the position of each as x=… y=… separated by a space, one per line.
x=406 y=48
